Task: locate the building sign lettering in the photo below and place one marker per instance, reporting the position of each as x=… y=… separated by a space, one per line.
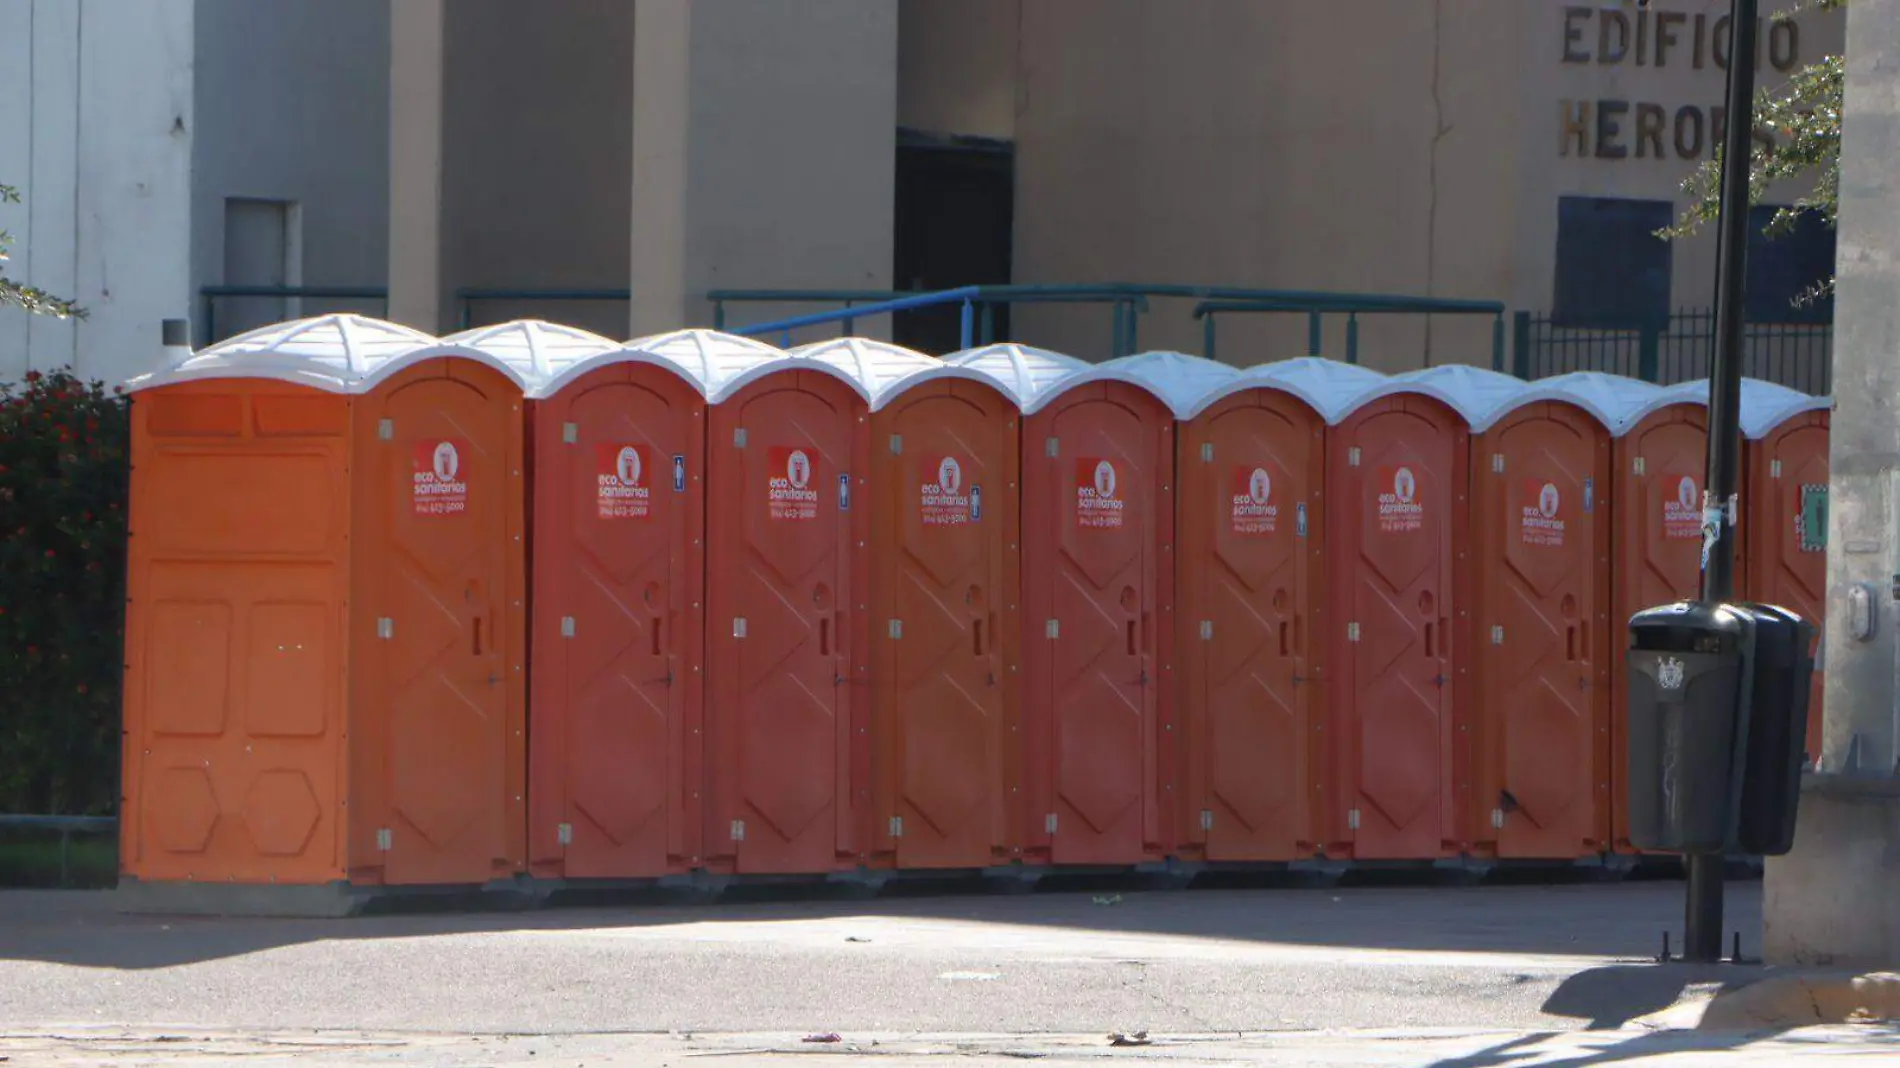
x=1621 y=36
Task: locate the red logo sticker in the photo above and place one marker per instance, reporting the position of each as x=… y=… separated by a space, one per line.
x=438 y=486
x=1098 y=505
x=1681 y=507
x=1401 y=505
x=791 y=485
x=1253 y=510
x=943 y=498
x=1542 y=514
x=621 y=489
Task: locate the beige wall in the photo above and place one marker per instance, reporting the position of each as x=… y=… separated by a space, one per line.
x=777 y=173
x=1359 y=145
x=956 y=66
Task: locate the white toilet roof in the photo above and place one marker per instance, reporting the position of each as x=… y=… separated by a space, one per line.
x=1330 y=387
x=1481 y=396
x=1616 y=401
x=879 y=370
x=712 y=361
x=1022 y=372
x=551 y=350
x=339 y=353
x=1765 y=405
x=1176 y=379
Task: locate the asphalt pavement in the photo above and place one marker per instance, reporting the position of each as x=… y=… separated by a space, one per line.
x=1204 y=976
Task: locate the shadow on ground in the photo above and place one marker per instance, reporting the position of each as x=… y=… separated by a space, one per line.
x=1622 y=923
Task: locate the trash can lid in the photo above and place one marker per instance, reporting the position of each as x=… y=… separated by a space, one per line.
x=1331 y=387
x=1022 y=372
x=340 y=353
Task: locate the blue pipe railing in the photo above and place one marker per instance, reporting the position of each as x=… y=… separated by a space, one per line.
x=467 y=297
x=1126 y=307
x=966 y=296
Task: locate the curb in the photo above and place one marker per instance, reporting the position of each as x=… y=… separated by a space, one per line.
x=1788 y=1001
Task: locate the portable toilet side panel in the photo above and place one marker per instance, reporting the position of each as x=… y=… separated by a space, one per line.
x=1251 y=469
x=1656 y=551
x=1397 y=515
x=1543 y=637
x=438 y=753
x=785 y=638
x=1098 y=466
x=236 y=640
x=945 y=581
x=618 y=625
x=1784 y=534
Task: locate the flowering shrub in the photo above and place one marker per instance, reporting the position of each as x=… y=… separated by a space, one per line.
x=63 y=479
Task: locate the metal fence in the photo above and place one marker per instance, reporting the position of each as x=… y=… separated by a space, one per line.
x=1796 y=355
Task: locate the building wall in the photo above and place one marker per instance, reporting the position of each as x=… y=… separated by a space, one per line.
x=97 y=134
x=1359 y=146
x=537 y=156
x=957 y=65
x=766 y=137
x=293 y=105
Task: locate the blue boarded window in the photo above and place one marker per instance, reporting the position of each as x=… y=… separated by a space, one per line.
x=1782 y=267
x=1612 y=269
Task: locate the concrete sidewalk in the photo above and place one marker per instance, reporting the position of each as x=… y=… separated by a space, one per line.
x=184 y=1048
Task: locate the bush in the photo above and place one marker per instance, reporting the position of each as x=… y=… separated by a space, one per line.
x=63 y=482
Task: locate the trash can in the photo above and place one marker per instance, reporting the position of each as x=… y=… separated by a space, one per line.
x=1777 y=730
x=1688 y=665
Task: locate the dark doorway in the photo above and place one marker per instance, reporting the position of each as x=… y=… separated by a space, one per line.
x=956 y=206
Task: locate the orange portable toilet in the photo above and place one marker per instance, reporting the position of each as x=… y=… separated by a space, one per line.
x=1098 y=576
x=787 y=718
x=1251 y=461
x=1661 y=459
x=1784 y=504
x=617 y=673
x=325 y=642
x=1544 y=640
x=941 y=503
x=1398 y=476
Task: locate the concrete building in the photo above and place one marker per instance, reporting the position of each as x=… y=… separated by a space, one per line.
x=483 y=159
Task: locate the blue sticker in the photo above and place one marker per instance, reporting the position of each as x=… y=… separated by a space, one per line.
x=679 y=473
x=844 y=493
x=1299 y=525
x=1589 y=495
x=976 y=503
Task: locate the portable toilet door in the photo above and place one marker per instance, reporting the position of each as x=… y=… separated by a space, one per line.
x=339 y=671
x=1539 y=679
x=1098 y=569
x=1251 y=463
x=787 y=753
x=1656 y=555
x=1784 y=502
x=944 y=652
x=1398 y=473
x=618 y=565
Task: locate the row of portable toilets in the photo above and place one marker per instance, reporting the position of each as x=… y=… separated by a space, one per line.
x=417 y=611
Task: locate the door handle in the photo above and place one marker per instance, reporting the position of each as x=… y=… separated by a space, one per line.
x=976 y=636
x=824 y=636
x=1429 y=654
x=657 y=621
x=1570 y=642
x=1132 y=624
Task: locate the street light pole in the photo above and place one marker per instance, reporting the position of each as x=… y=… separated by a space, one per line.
x=1702 y=936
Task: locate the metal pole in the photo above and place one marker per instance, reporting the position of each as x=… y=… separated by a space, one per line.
x=1702 y=935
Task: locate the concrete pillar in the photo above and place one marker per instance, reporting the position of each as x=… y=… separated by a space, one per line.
x=764 y=149
x=1836 y=899
x=416 y=57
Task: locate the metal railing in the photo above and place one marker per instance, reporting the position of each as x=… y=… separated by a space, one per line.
x=66 y=826
x=212 y=295
x=467 y=297
x=1796 y=355
x=1352 y=309
x=1127 y=303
